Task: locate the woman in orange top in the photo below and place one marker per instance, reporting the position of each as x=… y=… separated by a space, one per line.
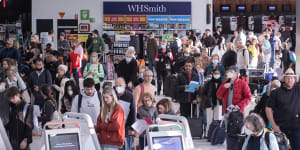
x=110 y=125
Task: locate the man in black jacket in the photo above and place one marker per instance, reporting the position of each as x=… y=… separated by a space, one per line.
x=135 y=42
x=283 y=108
x=127 y=101
x=208 y=40
x=183 y=81
x=127 y=68
x=37 y=79
x=20 y=125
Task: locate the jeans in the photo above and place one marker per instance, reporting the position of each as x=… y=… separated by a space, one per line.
x=128 y=142
x=151 y=63
x=294 y=137
x=76 y=77
x=231 y=142
x=142 y=141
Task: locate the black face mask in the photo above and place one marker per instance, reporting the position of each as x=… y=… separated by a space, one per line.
x=39 y=69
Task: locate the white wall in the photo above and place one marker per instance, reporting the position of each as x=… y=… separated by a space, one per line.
x=49 y=9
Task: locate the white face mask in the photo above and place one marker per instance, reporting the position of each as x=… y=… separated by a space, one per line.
x=229 y=75
x=120 y=90
x=70 y=93
x=217 y=76
x=248 y=132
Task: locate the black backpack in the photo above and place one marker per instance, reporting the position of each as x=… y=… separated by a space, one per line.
x=219 y=134
x=235 y=123
x=212 y=126
x=250 y=55
x=80 y=100
x=282 y=140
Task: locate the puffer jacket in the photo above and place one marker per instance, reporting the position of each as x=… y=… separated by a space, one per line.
x=112 y=132
x=241 y=95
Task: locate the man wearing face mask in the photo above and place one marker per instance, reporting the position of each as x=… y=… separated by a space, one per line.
x=163 y=60
x=127 y=68
x=37 y=79
x=215 y=65
x=234 y=92
x=127 y=102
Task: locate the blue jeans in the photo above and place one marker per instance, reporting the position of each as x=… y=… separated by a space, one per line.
x=151 y=64
x=294 y=137
x=231 y=142
x=128 y=142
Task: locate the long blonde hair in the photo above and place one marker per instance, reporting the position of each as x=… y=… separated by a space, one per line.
x=105 y=107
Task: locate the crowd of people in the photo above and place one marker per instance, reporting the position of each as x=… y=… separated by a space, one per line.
x=49 y=78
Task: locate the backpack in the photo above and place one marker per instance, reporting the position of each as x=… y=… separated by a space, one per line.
x=212 y=126
x=292 y=56
x=250 y=55
x=80 y=101
x=282 y=140
x=219 y=134
x=235 y=123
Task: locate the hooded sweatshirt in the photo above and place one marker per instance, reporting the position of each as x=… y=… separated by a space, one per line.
x=89 y=105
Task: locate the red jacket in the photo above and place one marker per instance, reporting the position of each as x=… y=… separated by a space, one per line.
x=241 y=95
x=75 y=61
x=113 y=132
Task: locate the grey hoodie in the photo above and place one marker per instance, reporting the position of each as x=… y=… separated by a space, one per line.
x=90 y=105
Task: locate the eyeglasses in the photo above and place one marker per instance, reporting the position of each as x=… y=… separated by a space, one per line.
x=147 y=75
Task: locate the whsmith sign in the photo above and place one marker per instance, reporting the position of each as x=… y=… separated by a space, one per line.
x=147 y=8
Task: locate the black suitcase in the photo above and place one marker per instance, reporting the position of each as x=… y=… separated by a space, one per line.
x=195 y=123
x=170 y=86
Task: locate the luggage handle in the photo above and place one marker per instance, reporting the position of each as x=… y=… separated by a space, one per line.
x=197 y=110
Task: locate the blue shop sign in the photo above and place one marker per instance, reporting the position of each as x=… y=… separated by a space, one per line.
x=158 y=19
x=146 y=8
x=180 y=19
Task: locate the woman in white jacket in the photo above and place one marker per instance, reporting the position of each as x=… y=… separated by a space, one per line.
x=59 y=84
x=220 y=48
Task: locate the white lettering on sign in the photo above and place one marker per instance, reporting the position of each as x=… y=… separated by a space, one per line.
x=147 y=8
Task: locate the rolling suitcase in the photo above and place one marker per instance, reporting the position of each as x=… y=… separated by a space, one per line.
x=196 y=124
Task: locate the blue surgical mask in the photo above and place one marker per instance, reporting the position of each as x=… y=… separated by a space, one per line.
x=215 y=61
x=1 y=87
x=141 y=76
x=163 y=46
x=128 y=59
x=208 y=78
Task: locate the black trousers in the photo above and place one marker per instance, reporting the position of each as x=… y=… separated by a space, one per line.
x=185 y=109
x=161 y=76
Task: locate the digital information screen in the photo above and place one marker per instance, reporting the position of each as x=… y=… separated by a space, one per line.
x=69 y=141
x=167 y=143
